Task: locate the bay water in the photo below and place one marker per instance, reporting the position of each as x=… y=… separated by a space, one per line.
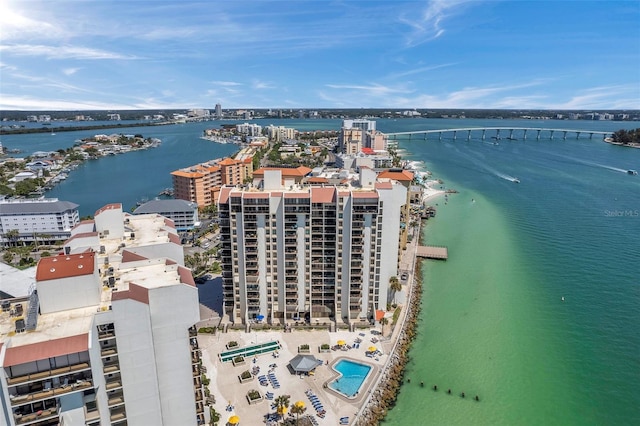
x=493 y=320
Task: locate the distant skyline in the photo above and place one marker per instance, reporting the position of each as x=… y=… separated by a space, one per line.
x=79 y=55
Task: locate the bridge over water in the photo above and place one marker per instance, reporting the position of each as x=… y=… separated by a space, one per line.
x=511 y=133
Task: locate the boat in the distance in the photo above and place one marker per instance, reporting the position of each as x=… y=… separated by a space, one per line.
x=632 y=172
x=516 y=180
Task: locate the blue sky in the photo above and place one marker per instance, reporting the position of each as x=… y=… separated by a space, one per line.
x=319 y=54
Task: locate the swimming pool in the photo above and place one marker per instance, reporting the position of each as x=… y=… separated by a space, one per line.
x=352 y=376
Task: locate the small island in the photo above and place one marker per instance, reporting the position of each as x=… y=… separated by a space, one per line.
x=630 y=138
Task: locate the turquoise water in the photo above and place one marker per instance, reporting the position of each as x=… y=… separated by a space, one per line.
x=493 y=322
x=353 y=375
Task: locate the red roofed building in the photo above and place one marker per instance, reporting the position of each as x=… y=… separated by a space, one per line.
x=68 y=282
x=297 y=174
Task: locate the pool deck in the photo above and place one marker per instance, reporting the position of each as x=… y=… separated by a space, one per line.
x=227 y=388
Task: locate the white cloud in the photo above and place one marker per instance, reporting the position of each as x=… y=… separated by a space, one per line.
x=61 y=52
x=16 y=26
x=420 y=70
x=70 y=71
x=372 y=90
x=260 y=85
x=428 y=25
x=226 y=83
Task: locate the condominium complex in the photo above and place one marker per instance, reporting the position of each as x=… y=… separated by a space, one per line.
x=106 y=336
x=184 y=214
x=291 y=250
x=201 y=183
x=36 y=220
x=357 y=134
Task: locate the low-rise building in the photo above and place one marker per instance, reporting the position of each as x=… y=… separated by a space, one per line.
x=184 y=214
x=29 y=220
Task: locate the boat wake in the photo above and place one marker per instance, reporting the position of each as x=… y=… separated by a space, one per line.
x=489 y=169
x=591 y=163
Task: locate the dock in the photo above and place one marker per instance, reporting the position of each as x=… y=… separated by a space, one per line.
x=432 y=252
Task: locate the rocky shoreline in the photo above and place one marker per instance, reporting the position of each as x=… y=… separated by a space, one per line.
x=385 y=395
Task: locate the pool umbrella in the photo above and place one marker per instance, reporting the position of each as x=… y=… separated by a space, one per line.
x=234 y=420
x=341 y=342
x=299 y=404
x=304 y=363
x=372 y=349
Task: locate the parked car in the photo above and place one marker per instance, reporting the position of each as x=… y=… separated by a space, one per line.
x=404 y=276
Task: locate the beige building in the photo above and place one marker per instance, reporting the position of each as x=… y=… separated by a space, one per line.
x=201 y=183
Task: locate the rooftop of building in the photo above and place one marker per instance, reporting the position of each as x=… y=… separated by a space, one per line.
x=31 y=206
x=133 y=276
x=170 y=205
x=299 y=171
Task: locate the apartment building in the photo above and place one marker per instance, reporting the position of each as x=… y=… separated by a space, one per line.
x=42 y=219
x=106 y=335
x=184 y=214
x=201 y=183
x=405 y=178
x=358 y=134
x=292 y=251
x=280 y=133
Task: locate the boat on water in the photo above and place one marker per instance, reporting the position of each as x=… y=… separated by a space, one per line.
x=632 y=172
x=516 y=180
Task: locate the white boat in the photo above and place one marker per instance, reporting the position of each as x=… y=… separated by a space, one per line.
x=516 y=180
x=632 y=172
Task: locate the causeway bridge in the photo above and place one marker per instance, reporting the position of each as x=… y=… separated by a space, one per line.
x=497 y=133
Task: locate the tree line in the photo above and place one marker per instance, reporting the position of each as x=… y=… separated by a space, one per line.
x=627 y=137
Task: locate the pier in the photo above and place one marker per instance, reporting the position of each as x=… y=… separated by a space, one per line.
x=432 y=252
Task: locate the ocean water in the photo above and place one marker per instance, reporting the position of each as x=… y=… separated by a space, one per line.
x=493 y=322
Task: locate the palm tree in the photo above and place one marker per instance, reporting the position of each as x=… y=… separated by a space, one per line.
x=214 y=416
x=12 y=235
x=395 y=285
x=282 y=403
x=297 y=409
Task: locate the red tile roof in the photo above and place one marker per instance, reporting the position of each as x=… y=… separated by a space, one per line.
x=108 y=207
x=186 y=277
x=129 y=256
x=317 y=179
x=323 y=195
x=364 y=194
x=384 y=185
x=299 y=171
x=399 y=175
x=135 y=292
x=65 y=266
x=44 y=350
